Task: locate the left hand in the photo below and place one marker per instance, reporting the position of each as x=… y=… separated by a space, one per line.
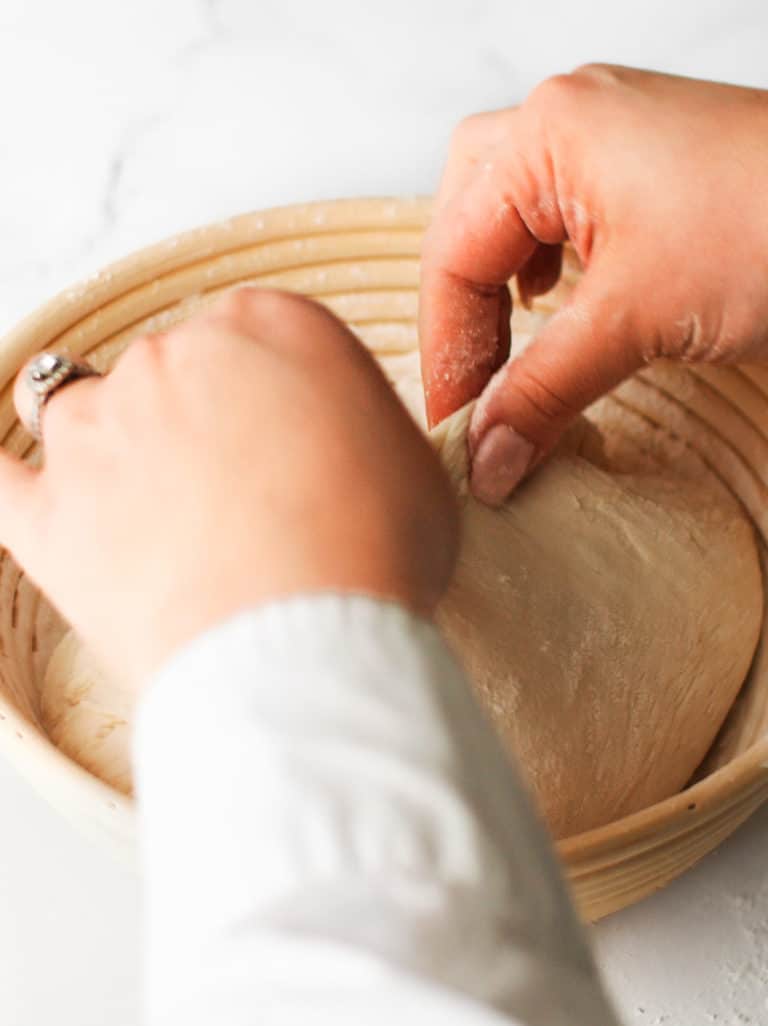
x=252 y=453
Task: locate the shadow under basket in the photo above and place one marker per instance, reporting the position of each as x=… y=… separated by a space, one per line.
x=360 y=257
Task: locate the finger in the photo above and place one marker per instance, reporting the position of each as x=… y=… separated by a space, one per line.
x=270 y=317
x=25 y=400
x=540 y=273
x=461 y=341
x=473 y=140
x=587 y=348
x=475 y=245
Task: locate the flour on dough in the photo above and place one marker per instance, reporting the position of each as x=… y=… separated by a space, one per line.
x=606 y=620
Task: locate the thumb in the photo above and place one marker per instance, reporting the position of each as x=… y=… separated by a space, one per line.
x=586 y=349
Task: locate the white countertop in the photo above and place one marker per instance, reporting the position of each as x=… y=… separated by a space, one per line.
x=125 y=122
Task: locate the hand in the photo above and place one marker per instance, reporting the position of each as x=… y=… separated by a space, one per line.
x=254 y=452
x=661 y=185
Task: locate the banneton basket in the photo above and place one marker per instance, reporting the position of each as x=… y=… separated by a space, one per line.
x=360 y=257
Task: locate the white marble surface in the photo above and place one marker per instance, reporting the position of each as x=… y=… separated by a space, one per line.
x=123 y=122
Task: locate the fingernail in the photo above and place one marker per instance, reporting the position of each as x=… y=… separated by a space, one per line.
x=500 y=462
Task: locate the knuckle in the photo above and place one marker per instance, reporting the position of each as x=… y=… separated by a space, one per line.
x=596 y=71
x=139 y=363
x=466 y=130
x=553 y=89
x=288 y=320
x=571 y=88
x=249 y=308
x=605 y=78
x=237 y=306
x=276 y=304
x=142 y=353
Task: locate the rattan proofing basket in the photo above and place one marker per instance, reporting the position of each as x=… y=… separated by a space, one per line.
x=360 y=257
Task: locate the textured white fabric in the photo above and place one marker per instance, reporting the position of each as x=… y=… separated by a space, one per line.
x=331 y=834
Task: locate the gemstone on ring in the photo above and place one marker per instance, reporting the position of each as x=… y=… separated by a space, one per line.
x=45 y=367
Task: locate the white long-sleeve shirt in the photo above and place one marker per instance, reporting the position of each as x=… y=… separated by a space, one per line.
x=331 y=834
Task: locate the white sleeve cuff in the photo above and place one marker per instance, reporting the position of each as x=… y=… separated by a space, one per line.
x=319 y=793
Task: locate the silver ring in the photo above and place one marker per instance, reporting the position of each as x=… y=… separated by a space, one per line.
x=47 y=373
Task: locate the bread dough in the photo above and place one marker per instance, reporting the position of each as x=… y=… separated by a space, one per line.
x=606 y=616
x=87 y=714
x=607 y=621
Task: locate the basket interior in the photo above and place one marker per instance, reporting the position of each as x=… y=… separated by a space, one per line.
x=361 y=259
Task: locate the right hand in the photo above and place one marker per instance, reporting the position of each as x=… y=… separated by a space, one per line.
x=661 y=185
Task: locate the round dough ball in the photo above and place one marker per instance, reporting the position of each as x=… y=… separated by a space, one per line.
x=606 y=620
x=607 y=616
x=87 y=714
